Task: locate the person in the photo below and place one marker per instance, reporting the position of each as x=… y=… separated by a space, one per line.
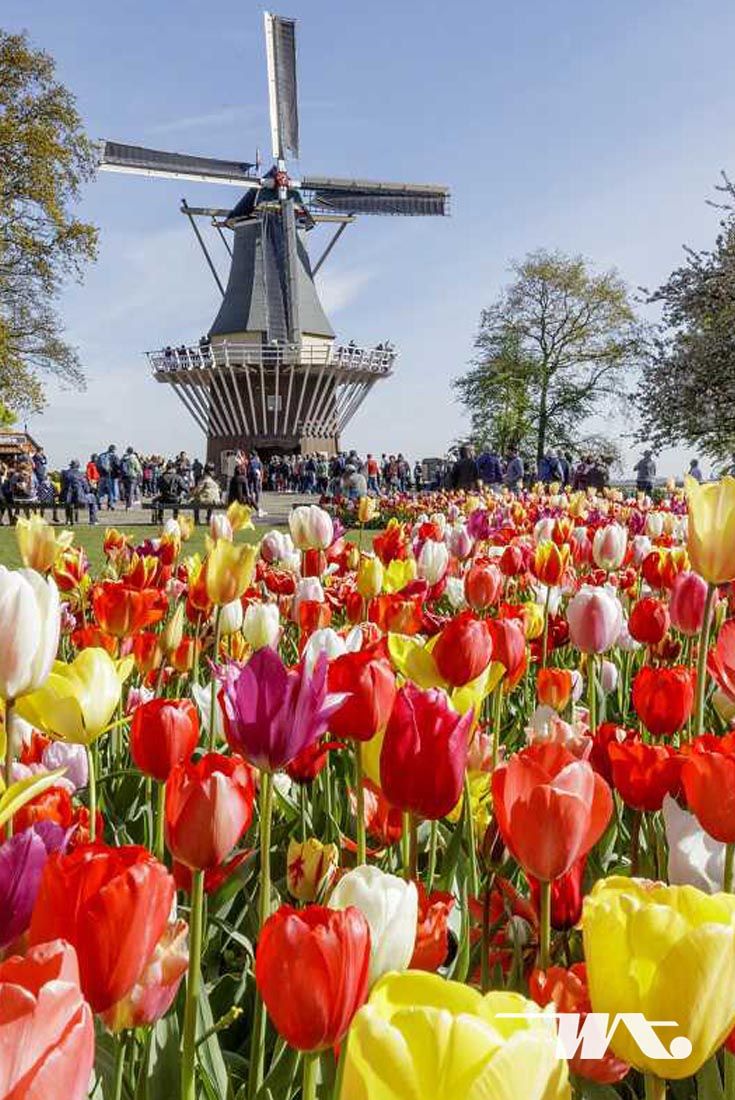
x=76 y=491
x=566 y=463
x=171 y=489
x=40 y=464
x=238 y=489
x=695 y=470
x=108 y=468
x=354 y=484
x=464 y=473
x=206 y=493
x=645 y=471
x=490 y=467
x=418 y=476
x=47 y=498
x=514 y=470
x=581 y=477
x=255 y=480
x=131 y=472
x=197 y=468
x=598 y=476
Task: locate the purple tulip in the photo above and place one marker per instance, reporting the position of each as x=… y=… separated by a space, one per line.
x=22 y=860
x=478 y=523
x=274 y=712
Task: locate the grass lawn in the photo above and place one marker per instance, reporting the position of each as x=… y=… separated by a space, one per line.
x=91 y=538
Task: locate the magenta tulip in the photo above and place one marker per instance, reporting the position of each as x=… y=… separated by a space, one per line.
x=22 y=860
x=688 y=597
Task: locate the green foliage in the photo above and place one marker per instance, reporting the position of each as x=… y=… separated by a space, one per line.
x=554 y=348
x=44 y=157
x=687 y=391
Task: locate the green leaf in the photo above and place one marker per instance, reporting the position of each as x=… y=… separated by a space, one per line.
x=209 y=1054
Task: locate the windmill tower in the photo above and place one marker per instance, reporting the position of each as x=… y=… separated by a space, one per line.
x=270 y=374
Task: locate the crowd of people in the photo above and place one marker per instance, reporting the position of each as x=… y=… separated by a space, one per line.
x=113 y=479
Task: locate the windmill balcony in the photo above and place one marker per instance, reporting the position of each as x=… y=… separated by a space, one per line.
x=336 y=358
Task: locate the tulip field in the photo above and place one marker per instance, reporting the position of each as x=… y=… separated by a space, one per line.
x=442 y=811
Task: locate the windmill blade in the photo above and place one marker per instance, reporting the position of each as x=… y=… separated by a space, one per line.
x=345 y=196
x=154 y=162
x=280 y=49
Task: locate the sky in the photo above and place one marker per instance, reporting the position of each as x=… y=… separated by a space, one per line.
x=597 y=129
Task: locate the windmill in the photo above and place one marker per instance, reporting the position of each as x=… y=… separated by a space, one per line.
x=270 y=374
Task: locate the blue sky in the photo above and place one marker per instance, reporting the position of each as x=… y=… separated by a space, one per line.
x=592 y=128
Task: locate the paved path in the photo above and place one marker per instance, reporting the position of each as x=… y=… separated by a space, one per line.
x=276 y=507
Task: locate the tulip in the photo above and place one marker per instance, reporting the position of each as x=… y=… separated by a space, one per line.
x=274 y=712
x=390 y=907
x=310 y=866
x=640 y=547
x=554 y=687
x=424 y=754
x=543 y=530
x=649 y=620
x=155 y=991
x=369 y=578
x=695 y=859
x=275 y=546
x=79 y=699
x=483 y=583
x=549 y=562
x=311 y=527
x=72 y=759
x=332 y=644
x=609 y=546
x=163 y=733
x=460 y=542
x=566 y=896
x=229 y=570
x=220 y=527
x=463 y=649
x=46 y=1027
x=112 y=905
x=322 y=958
x=707 y=778
x=122 y=610
x=38 y=543
x=367 y=684
x=667 y=952
x=30 y=621
x=655 y=524
x=172 y=634
x=70 y=568
x=643 y=774
x=209 y=805
x=663 y=698
x=432 y=561
x=261 y=625
x=711 y=531
x=609 y=677
x=454 y=592
x=688 y=599
x=230 y=618
x=367 y=509
x=432 y=932
x=595 y=618
x=509 y=649
x=22 y=860
x=721 y=659
x=420 y=1036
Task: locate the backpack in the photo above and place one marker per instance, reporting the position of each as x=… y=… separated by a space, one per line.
x=127 y=466
x=103 y=462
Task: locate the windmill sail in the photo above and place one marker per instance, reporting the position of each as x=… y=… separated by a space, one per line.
x=280 y=46
x=345 y=196
x=117 y=157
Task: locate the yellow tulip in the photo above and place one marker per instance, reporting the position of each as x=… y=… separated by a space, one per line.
x=533 y=620
x=173 y=632
x=667 y=952
x=711 y=538
x=78 y=700
x=15 y=796
x=398 y=574
x=39 y=544
x=480 y=802
x=367 y=509
x=309 y=867
x=370 y=754
x=239 y=516
x=186 y=526
x=413 y=659
x=229 y=570
x=420 y=1037
x=369 y=576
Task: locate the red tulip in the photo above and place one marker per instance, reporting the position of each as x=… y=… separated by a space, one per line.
x=550 y=807
x=509 y=649
x=709 y=784
x=721 y=659
x=311 y=969
x=554 y=687
x=163 y=733
x=567 y=991
x=566 y=896
x=483 y=584
x=514 y=560
x=112 y=905
x=397 y=613
x=122 y=610
x=432 y=931
x=463 y=649
x=155 y=991
x=368 y=680
x=46 y=1027
x=549 y=562
x=424 y=753
x=607 y=734
x=209 y=805
x=663 y=698
x=383 y=822
x=644 y=774
x=649 y=621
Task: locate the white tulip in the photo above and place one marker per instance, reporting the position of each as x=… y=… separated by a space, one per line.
x=261 y=625
x=30 y=622
x=609 y=546
x=390 y=906
x=220 y=527
x=433 y=561
x=608 y=676
x=230 y=619
x=695 y=858
x=655 y=524
x=544 y=530
x=641 y=546
x=326 y=640
x=455 y=593
x=172 y=528
x=311 y=527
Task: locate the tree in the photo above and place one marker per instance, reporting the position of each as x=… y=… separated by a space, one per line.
x=44 y=159
x=553 y=349
x=687 y=389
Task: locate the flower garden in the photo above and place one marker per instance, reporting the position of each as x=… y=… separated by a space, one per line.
x=450 y=817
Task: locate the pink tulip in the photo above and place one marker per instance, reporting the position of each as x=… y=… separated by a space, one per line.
x=155 y=991
x=461 y=542
x=311 y=527
x=595 y=618
x=721 y=660
x=609 y=546
x=688 y=596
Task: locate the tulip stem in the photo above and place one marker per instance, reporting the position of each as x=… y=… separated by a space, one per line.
x=193 y=982
x=360 y=807
x=413 y=847
x=92 y=781
x=592 y=692
x=120 y=1066
x=545 y=925
x=702 y=660
x=8 y=758
x=213 y=686
x=635 y=842
x=545 y=636
x=729 y=1068
x=159 y=848
x=433 y=838
x=311 y=1064
x=727 y=877
x=655 y=1087
x=474 y=883
x=497 y=713
x=257 y=1042
x=406 y=844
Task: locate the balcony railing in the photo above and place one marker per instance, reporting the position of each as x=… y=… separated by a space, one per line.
x=348 y=357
